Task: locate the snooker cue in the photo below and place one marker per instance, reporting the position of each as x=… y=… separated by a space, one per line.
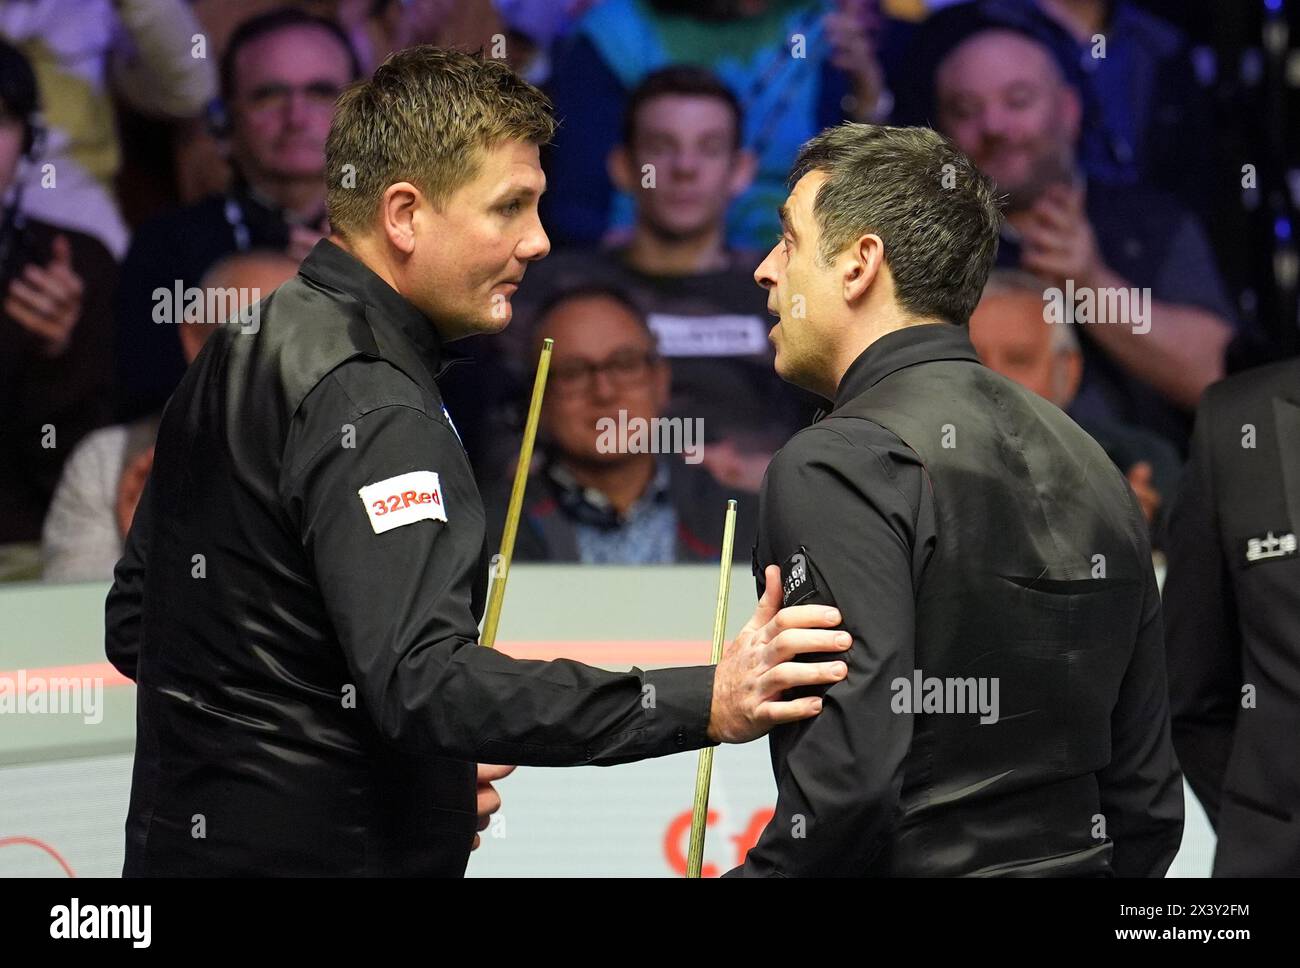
x=704 y=769
x=493 y=615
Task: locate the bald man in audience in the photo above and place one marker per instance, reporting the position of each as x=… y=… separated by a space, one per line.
x=1012 y=337
x=102 y=479
x=1162 y=315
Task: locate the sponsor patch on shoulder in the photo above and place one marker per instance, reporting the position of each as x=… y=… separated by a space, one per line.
x=797 y=582
x=404 y=499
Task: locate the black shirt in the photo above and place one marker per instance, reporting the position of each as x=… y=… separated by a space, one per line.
x=863 y=512
x=956 y=520
x=299 y=604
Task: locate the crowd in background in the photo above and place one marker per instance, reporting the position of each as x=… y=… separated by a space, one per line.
x=152 y=146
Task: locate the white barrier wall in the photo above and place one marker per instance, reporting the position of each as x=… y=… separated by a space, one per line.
x=65 y=776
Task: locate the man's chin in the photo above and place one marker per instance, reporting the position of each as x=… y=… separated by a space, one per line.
x=683 y=226
x=494 y=322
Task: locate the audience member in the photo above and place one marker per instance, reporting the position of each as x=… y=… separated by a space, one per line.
x=55 y=331
x=680 y=157
x=280 y=75
x=83 y=52
x=615 y=482
x=1147 y=282
x=1012 y=337
x=102 y=479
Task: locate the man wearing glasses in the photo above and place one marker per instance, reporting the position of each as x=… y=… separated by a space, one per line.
x=620 y=483
x=280 y=76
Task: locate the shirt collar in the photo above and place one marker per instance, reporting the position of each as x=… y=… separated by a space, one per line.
x=590 y=506
x=398 y=326
x=903 y=348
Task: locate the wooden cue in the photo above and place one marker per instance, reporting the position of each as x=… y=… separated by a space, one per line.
x=493 y=615
x=704 y=770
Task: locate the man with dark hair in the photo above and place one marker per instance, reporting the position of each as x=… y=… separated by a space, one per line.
x=303 y=580
x=1005 y=711
x=683 y=162
x=280 y=75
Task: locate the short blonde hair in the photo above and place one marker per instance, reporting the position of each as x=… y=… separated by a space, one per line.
x=424 y=117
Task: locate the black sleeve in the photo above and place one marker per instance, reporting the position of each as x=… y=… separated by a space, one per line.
x=124 y=607
x=400 y=600
x=1141 y=788
x=852 y=509
x=1202 y=637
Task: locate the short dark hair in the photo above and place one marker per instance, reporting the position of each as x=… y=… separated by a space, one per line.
x=936 y=213
x=681 y=80
x=283 y=18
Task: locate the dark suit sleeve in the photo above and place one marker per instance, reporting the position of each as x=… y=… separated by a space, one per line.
x=124 y=607
x=401 y=604
x=1141 y=788
x=1202 y=638
x=854 y=508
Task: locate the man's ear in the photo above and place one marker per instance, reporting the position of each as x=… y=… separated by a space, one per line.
x=618 y=165
x=742 y=173
x=866 y=257
x=398 y=209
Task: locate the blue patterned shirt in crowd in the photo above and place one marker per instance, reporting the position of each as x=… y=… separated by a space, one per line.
x=645 y=535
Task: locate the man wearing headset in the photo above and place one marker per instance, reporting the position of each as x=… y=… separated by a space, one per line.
x=54 y=332
x=280 y=75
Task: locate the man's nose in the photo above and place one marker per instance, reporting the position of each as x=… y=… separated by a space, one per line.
x=602 y=386
x=763 y=275
x=685 y=164
x=296 y=108
x=534 y=245
x=993 y=122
